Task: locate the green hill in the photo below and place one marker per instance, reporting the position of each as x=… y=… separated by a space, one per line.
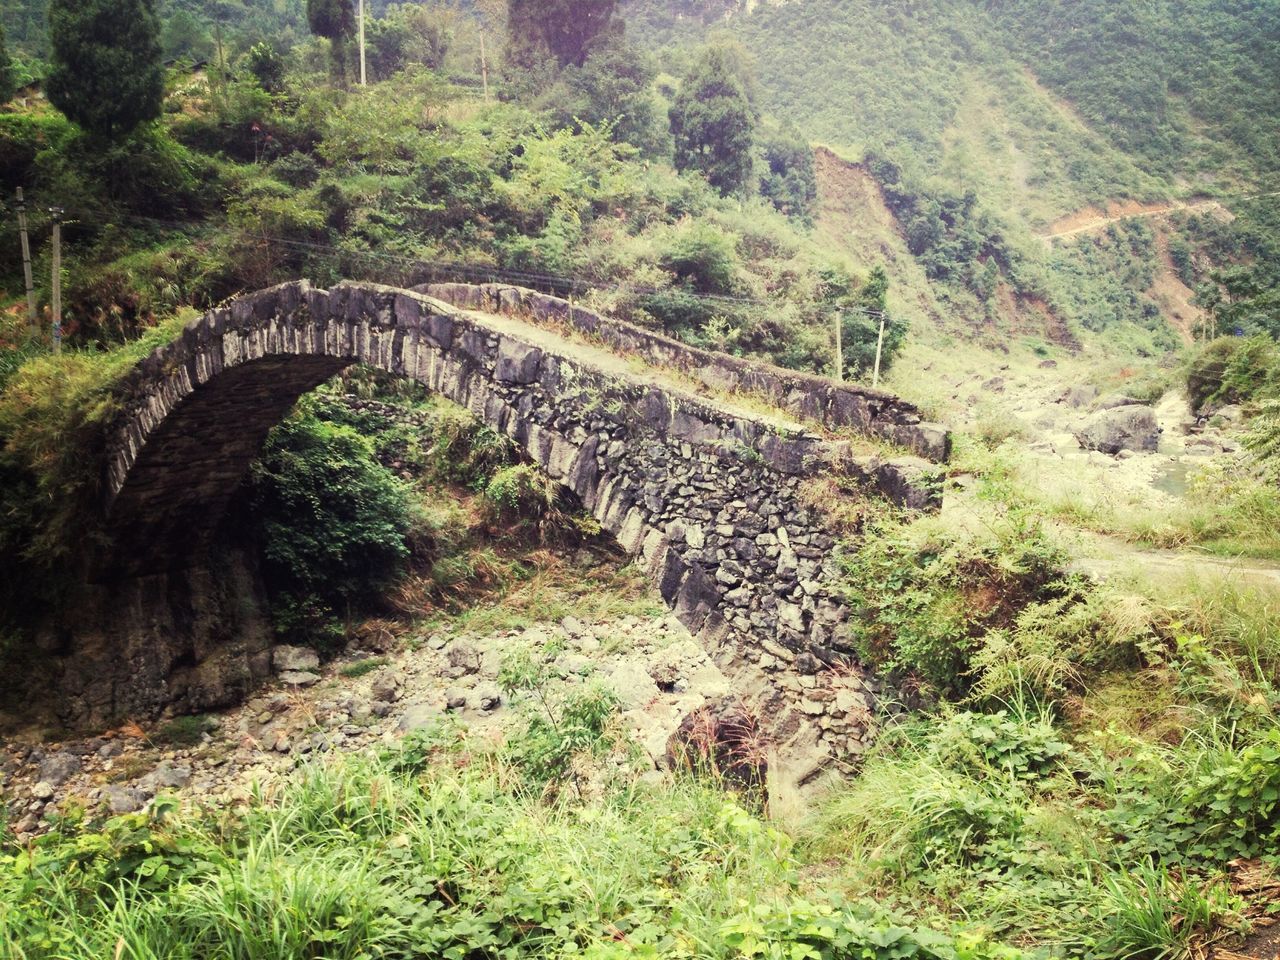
x=1043 y=114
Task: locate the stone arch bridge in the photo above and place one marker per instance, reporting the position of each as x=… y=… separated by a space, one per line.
x=711 y=495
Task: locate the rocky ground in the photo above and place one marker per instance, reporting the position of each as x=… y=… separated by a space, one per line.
x=660 y=674
x=1135 y=451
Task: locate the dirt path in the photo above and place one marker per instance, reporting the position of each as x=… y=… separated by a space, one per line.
x=1091 y=219
x=1077 y=224
x=1109 y=559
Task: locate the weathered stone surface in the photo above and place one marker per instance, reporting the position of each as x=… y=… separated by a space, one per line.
x=836 y=404
x=418 y=716
x=122 y=799
x=645 y=459
x=1120 y=428
x=58 y=768
x=299 y=678
x=285 y=657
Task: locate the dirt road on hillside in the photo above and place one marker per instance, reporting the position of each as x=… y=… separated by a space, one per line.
x=1091 y=219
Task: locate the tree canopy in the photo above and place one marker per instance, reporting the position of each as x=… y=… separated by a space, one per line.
x=105 y=72
x=7 y=82
x=713 y=122
x=335 y=20
x=562 y=29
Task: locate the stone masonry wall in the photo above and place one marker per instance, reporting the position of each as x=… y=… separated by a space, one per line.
x=872 y=411
x=708 y=499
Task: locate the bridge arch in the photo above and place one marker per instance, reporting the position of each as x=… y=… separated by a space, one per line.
x=707 y=496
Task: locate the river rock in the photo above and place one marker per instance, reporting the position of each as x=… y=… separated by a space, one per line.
x=299 y=678
x=59 y=767
x=418 y=716
x=286 y=658
x=121 y=799
x=1121 y=428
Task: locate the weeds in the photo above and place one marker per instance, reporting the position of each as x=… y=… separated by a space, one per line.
x=436 y=849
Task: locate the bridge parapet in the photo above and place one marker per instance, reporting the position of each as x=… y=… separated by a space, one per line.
x=866 y=409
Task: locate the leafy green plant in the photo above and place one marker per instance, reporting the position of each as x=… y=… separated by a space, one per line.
x=333 y=524
x=559 y=724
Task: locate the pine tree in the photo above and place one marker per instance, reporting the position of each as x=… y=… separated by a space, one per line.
x=105 y=72
x=334 y=20
x=8 y=81
x=713 y=122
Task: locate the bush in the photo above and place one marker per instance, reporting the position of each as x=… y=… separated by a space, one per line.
x=925 y=602
x=1234 y=370
x=332 y=522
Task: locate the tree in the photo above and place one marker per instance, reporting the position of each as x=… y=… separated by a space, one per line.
x=713 y=122
x=613 y=87
x=860 y=309
x=8 y=81
x=185 y=35
x=105 y=71
x=266 y=66
x=787 y=177
x=565 y=30
x=335 y=20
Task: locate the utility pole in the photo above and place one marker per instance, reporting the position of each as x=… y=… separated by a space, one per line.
x=875 y=377
x=56 y=214
x=484 y=68
x=839 y=348
x=26 y=264
x=363 y=77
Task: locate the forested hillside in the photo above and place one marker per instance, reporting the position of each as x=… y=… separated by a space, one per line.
x=989 y=124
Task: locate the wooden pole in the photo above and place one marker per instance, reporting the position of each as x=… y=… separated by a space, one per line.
x=484 y=68
x=875 y=377
x=26 y=264
x=364 y=81
x=839 y=348
x=56 y=213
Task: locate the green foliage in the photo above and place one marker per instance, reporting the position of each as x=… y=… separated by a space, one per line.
x=1263 y=437
x=8 y=81
x=1026 y=748
x=1234 y=370
x=183 y=731
x=53 y=415
x=713 y=122
x=519 y=493
x=335 y=20
x=611 y=90
x=437 y=849
x=363 y=667
x=787 y=178
x=561 y=728
x=105 y=71
x=332 y=522
x=266 y=65
x=804 y=930
x=861 y=309
x=1102 y=281
x=564 y=30
x=925 y=604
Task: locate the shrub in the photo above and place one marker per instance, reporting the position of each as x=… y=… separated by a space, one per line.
x=923 y=602
x=332 y=522
x=1234 y=370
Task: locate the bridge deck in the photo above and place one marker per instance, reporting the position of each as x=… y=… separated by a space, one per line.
x=633 y=369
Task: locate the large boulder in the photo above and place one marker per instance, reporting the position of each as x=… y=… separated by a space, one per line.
x=1121 y=428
